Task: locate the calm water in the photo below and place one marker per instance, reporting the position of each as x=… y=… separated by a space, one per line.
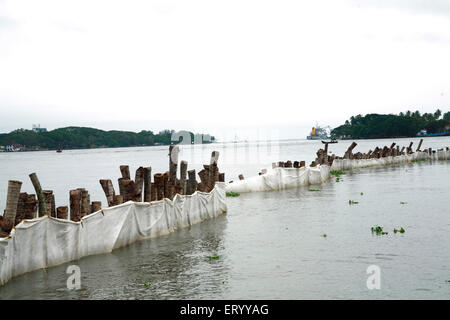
x=270 y=244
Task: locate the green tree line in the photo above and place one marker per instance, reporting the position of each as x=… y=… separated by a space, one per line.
x=85 y=138
x=405 y=124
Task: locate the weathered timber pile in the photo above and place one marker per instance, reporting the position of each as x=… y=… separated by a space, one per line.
x=20 y=206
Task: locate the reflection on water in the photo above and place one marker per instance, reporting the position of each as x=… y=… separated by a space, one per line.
x=270 y=244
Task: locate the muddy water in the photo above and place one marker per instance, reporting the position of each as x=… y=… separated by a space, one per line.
x=270 y=245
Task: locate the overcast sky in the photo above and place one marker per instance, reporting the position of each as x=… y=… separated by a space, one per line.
x=219 y=66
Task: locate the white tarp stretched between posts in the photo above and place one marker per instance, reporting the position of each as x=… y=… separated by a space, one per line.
x=44 y=242
x=283 y=178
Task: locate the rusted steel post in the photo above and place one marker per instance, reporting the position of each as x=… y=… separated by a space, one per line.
x=125 y=171
x=159 y=185
x=37 y=187
x=192 y=182
x=96 y=206
x=183 y=172
x=75 y=205
x=62 y=212
x=147 y=184
x=420 y=144
x=12 y=199
x=108 y=189
x=139 y=184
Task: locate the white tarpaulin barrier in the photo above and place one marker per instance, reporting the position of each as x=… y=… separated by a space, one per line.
x=45 y=242
x=283 y=178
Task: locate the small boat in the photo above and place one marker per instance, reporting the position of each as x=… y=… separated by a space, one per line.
x=59 y=150
x=332 y=141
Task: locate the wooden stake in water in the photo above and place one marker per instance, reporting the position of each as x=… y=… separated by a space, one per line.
x=148 y=184
x=183 y=172
x=12 y=200
x=108 y=189
x=37 y=187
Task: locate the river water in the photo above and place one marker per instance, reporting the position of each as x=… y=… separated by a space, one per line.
x=270 y=245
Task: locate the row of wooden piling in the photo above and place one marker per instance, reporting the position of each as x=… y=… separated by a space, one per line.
x=20 y=206
x=323 y=157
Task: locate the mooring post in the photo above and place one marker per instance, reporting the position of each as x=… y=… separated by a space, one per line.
x=75 y=205
x=108 y=189
x=147 y=184
x=37 y=187
x=12 y=199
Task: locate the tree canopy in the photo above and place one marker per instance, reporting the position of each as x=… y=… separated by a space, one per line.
x=405 y=124
x=85 y=138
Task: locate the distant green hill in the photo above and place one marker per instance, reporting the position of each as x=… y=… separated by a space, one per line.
x=85 y=138
x=375 y=126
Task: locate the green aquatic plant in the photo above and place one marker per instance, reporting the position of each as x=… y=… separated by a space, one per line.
x=213 y=257
x=232 y=194
x=401 y=230
x=378 y=230
x=338 y=179
x=314 y=189
x=336 y=173
x=147 y=284
x=324 y=235
x=352 y=202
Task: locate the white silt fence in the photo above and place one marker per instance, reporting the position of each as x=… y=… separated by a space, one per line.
x=284 y=178
x=44 y=242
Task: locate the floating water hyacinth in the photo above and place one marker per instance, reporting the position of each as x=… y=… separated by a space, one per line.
x=213 y=257
x=401 y=230
x=232 y=194
x=314 y=189
x=378 y=230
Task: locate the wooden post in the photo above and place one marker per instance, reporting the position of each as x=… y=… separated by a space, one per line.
x=108 y=189
x=12 y=199
x=302 y=164
x=37 y=187
x=125 y=171
x=221 y=177
x=409 y=149
x=118 y=199
x=183 y=173
x=61 y=212
x=129 y=190
x=403 y=149
x=420 y=145
x=167 y=190
x=204 y=178
x=348 y=153
x=213 y=170
x=75 y=205
x=154 y=195
x=192 y=182
x=96 y=206
x=85 y=207
x=241 y=177
x=139 y=184
x=49 y=202
x=147 y=184
x=173 y=164
x=159 y=185
x=5 y=227
x=288 y=164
